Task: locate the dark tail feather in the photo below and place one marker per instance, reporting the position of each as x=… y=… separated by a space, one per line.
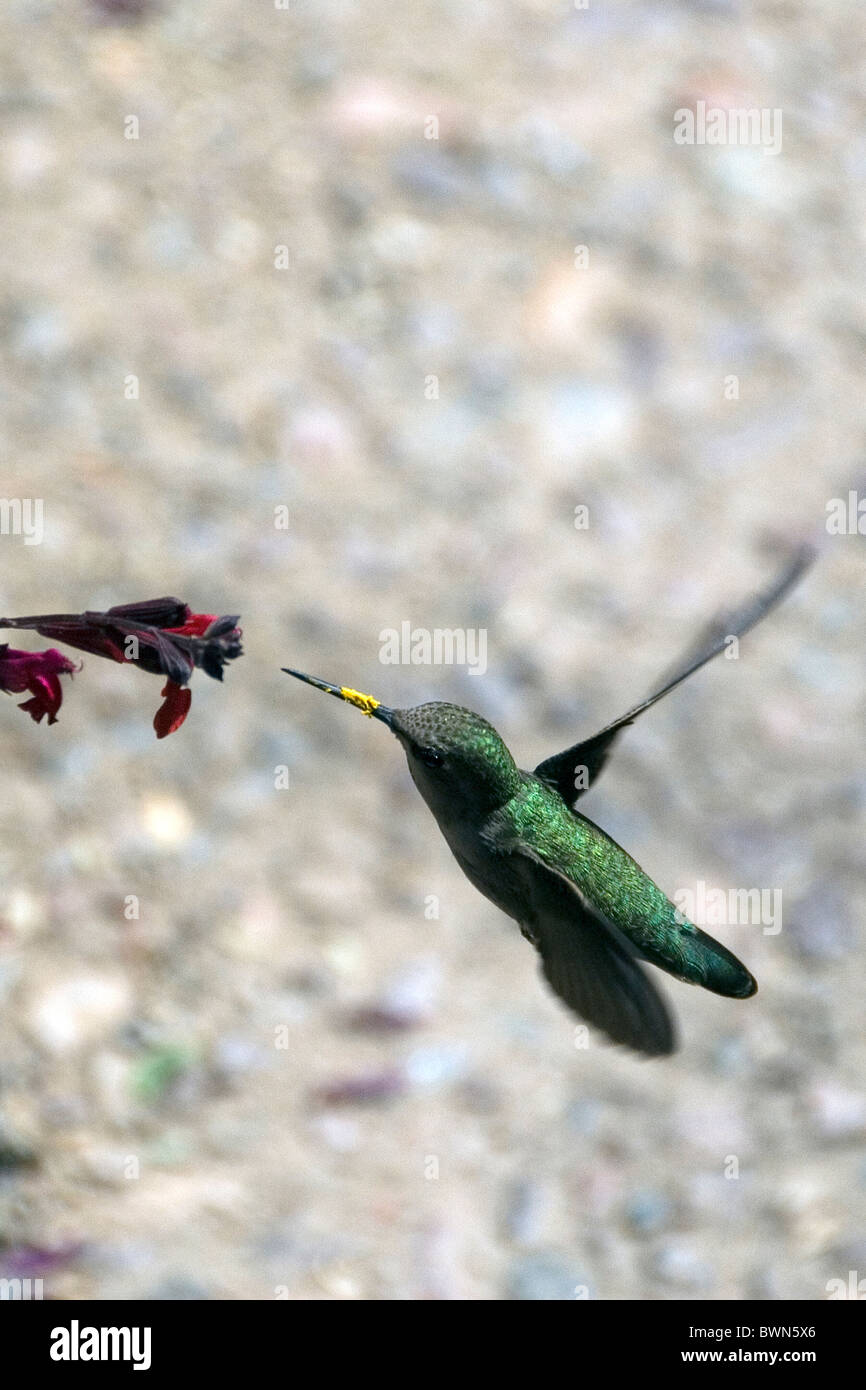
x=701 y=960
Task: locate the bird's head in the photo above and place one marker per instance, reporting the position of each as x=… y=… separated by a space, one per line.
x=457 y=760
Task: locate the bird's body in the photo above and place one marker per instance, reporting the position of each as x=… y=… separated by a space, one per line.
x=586 y=905
x=590 y=910
x=612 y=882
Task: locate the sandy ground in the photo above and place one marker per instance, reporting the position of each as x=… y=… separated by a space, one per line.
x=338 y=272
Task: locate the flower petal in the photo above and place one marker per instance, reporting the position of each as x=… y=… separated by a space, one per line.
x=196 y=624
x=174 y=711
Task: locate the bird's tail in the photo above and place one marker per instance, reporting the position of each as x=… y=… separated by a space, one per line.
x=699 y=959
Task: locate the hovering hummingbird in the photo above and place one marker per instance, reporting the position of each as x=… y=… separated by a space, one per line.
x=577 y=896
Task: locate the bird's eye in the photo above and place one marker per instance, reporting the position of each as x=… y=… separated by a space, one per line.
x=430 y=757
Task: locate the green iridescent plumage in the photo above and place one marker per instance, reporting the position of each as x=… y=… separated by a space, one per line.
x=620 y=890
x=592 y=913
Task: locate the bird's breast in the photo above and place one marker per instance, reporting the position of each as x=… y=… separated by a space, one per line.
x=487 y=871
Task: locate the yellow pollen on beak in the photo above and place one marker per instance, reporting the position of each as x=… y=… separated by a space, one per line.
x=365 y=703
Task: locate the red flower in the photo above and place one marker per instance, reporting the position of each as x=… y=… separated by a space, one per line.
x=162 y=636
x=38 y=672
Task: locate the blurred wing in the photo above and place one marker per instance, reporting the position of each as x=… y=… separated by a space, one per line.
x=602 y=984
x=560 y=771
x=586 y=960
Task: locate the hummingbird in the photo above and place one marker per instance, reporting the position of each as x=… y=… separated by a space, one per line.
x=592 y=913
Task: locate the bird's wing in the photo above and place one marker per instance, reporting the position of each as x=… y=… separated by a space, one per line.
x=585 y=959
x=561 y=771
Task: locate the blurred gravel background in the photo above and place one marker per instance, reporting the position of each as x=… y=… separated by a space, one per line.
x=284 y=1078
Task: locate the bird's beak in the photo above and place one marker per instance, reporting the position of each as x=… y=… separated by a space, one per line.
x=365 y=703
